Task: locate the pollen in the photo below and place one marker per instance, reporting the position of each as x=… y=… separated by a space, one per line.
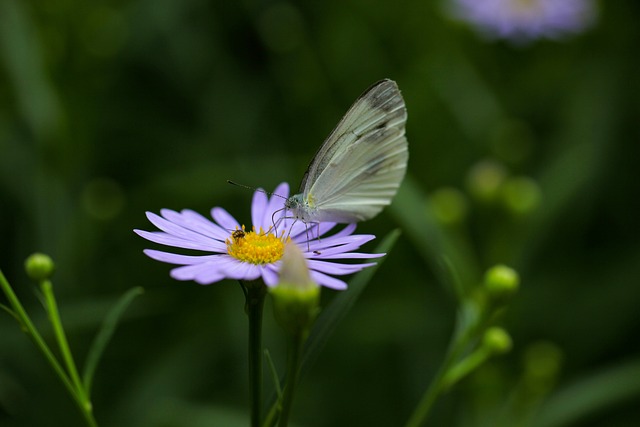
x=255 y=247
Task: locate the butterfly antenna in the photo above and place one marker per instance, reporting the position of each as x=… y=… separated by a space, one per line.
x=268 y=193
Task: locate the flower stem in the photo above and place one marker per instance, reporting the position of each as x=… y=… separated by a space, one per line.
x=32 y=332
x=255 y=293
x=464 y=367
x=459 y=342
x=293 y=369
x=421 y=412
x=63 y=344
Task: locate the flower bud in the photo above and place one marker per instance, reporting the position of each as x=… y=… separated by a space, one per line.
x=449 y=206
x=521 y=195
x=485 y=179
x=296 y=297
x=501 y=282
x=39 y=266
x=497 y=340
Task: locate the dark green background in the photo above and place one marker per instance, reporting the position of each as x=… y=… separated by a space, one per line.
x=110 y=109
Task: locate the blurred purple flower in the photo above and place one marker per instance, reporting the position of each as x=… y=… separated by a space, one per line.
x=236 y=253
x=526 y=20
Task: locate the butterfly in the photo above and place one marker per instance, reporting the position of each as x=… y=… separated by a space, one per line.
x=359 y=167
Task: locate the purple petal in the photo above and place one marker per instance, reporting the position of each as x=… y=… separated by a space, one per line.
x=180 y=259
x=224 y=218
x=270 y=275
x=300 y=230
x=337 y=249
x=283 y=224
x=350 y=242
x=230 y=268
x=175 y=229
x=276 y=202
x=307 y=232
x=234 y=269
x=336 y=268
x=328 y=281
x=340 y=255
x=194 y=221
x=348 y=230
x=189 y=272
x=208 y=277
x=541 y=18
x=258 y=206
x=166 y=239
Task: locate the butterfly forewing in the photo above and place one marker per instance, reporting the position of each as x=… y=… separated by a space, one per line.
x=358 y=169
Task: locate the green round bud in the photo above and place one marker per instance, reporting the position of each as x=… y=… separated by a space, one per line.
x=497 y=340
x=521 y=195
x=296 y=297
x=484 y=180
x=449 y=206
x=501 y=281
x=39 y=266
x=295 y=310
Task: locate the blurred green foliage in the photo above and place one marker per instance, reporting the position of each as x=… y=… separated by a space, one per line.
x=110 y=109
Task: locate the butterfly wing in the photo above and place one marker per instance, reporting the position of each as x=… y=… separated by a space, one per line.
x=358 y=169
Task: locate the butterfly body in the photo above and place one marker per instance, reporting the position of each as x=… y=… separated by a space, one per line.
x=358 y=169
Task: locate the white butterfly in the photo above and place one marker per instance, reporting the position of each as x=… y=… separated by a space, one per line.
x=358 y=169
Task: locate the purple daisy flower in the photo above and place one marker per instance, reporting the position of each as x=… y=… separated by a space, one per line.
x=236 y=253
x=525 y=20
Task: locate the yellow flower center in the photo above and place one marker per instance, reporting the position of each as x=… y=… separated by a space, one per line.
x=255 y=247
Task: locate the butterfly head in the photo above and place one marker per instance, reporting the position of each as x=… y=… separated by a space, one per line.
x=300 y=207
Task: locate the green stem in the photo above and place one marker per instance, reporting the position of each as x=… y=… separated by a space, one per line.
x=459 y=342
x=271 y=418
x=34 y=335
x=465 y=367
x=63 y=344
x=421 y=412
x=293 y=369
x=255 y=293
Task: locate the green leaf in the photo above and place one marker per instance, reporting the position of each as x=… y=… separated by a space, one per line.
x=451 y=258
x=173 y=412
x=274 y=373
x=590 y=395
x=272 y=415
x=11 y=313
x=104 y=335
x=333 y=314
